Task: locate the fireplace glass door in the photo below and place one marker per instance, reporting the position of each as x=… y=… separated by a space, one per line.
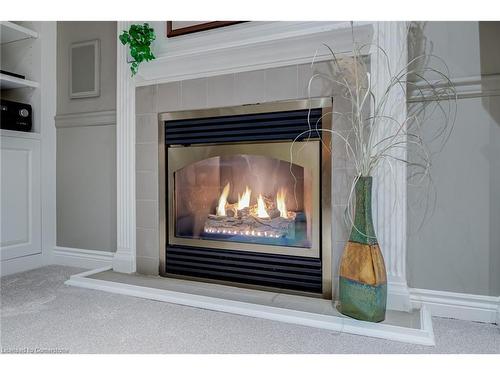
x=255 y=197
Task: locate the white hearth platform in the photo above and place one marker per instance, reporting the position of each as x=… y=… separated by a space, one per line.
x=411 y=327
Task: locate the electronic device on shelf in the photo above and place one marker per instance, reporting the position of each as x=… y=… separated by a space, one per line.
x=15 y=116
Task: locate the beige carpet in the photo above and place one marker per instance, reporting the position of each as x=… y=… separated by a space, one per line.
x=40 y=313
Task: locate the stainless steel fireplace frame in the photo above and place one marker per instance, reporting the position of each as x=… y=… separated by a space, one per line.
x=325 y=104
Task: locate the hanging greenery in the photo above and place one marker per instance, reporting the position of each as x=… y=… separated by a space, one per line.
x=139 y=39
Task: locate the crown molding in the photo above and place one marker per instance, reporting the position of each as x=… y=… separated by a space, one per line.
x=249 y=46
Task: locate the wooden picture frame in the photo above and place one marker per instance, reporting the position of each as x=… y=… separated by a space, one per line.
x=84 y=69
x=172 y=30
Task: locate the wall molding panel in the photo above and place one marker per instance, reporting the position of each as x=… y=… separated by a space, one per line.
x=461 y=306
x=93 y=118
x=21 y=231
x=466 y=87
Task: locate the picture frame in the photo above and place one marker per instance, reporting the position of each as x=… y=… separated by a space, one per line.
x=176 y=28
x=84 y=69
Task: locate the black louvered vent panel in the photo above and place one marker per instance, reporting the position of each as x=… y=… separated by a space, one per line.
x=255 y=127
x=278 y=271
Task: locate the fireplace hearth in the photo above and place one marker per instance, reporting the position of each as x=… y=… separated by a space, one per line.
x=245 y=196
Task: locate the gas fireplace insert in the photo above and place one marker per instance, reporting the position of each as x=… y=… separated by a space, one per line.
x=245 y=195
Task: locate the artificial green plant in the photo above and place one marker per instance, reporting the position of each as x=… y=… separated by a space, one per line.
x=139 y=39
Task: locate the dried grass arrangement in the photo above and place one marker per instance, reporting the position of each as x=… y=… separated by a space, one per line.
x=377 y=138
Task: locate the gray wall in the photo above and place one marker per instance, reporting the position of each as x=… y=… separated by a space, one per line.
x=458 y=248
x=71 y=32
x=86 y=155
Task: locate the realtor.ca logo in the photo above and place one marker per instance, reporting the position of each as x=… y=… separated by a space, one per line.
x=34 y=351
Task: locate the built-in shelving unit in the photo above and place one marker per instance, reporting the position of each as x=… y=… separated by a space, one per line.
x=11 y=32
x=20 y=54
x=28 y=158
x=9 y=82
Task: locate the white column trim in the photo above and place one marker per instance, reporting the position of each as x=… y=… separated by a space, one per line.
x=48 y=79
x=498 y=313
x=124 y=259
x=390 y=184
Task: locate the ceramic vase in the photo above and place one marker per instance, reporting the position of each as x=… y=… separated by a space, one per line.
x=362 y=275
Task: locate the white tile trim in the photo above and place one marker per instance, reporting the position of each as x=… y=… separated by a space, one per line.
x=422 y=336
x=82 y=258
x=462 y=306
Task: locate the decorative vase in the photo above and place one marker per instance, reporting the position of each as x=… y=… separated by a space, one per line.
x=362 y=275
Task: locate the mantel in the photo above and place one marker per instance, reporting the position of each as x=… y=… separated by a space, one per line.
x=247 y=46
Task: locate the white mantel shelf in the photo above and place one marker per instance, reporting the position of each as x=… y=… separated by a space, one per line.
x=248 y=46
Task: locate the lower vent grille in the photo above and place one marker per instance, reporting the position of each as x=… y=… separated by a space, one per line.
x=278 y=271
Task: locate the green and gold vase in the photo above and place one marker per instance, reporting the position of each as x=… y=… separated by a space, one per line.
x=362 y=275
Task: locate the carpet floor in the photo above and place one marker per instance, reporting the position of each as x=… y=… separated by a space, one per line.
x=39 y=312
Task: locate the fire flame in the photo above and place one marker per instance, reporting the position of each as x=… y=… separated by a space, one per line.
x=281 y=203
x=244 y=200
x=261 y=208
x=221 y=208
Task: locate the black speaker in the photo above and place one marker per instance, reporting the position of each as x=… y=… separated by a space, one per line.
x=15 y=116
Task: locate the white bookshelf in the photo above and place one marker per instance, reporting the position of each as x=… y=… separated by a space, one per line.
x=21 y=54
x=30 y=49
x=12 y=32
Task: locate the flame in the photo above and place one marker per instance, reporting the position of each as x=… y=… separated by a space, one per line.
x=221 y=208
x=280 y=203
x=261 y=208
x=244 y=200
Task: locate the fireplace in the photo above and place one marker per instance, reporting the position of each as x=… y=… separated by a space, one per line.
x=246 y=196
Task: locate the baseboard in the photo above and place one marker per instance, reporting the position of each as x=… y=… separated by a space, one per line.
x=82 y=258
x=21 y=264
x=462 y=306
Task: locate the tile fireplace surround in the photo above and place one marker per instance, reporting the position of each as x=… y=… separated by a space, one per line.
x=138 y=206
x=259 y=86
